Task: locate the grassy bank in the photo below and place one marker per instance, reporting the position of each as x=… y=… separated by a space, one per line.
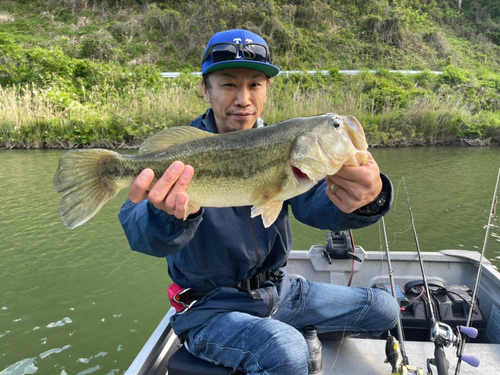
x=394 y=109
x=313 y=34
x=80 y=73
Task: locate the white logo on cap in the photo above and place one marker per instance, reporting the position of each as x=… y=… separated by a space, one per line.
x=238 y=40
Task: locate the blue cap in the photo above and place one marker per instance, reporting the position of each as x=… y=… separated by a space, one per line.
x=237 y=36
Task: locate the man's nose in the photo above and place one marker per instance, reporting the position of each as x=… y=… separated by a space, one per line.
x=242 y=97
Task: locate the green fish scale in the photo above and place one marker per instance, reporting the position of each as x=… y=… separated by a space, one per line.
x=226 y=167
x=219 y=157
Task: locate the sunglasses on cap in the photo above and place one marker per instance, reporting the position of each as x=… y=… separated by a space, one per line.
x=230 y=51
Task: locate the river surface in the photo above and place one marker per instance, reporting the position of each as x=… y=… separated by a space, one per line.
x=81 y=302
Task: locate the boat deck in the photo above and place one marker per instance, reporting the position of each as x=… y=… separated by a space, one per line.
x=365 y=355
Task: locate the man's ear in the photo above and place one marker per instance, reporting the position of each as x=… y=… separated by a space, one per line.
x=269 y=80
x=206 y=95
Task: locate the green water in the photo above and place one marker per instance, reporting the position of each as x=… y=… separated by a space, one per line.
x=81 y=302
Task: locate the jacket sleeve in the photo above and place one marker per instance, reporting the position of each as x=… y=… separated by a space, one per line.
x=314 y=208
x=155 y=232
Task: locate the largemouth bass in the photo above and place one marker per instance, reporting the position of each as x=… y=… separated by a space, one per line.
x=260 y=167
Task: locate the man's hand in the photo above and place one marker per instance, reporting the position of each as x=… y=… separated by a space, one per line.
x=169 y=192
x=357 y=186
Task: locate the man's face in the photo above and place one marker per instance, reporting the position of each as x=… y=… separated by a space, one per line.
x=237 y=97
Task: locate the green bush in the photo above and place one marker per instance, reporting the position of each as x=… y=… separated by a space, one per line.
x=454 y=76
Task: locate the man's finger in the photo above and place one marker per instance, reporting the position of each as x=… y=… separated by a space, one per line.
x=184 y=179
x=139 y=189
x=179 y=187
x=162 y=187
x=351 y=172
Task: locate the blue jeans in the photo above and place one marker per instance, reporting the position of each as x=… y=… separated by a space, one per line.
x=275 y=345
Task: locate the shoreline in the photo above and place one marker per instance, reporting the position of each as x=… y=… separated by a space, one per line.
x=458 y=142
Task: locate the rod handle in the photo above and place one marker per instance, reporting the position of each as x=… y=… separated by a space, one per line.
x=440 y=361
x=471 y=360
x=469 y=331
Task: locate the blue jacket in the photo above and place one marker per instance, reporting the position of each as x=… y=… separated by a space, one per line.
x=221 y=246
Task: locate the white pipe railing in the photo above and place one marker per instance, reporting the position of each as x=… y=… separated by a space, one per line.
x=313 y=72
x=289 y=72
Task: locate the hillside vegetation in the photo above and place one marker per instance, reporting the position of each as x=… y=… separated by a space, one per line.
x=86 y=72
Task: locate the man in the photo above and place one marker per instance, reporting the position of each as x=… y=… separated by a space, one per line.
x=231 y=263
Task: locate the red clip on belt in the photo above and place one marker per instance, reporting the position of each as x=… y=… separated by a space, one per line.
x=175 y=295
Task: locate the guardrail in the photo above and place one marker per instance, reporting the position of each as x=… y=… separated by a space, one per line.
x=288 y=72
x=321 y=72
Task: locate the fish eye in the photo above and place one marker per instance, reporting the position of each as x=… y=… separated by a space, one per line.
x=335 y=123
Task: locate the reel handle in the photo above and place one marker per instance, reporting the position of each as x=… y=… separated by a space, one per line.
x=469 y=331
x=471 y=360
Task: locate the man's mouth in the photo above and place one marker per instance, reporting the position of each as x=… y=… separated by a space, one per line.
x=242 y=115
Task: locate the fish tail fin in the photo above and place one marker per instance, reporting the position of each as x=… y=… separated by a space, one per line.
x=85 y=188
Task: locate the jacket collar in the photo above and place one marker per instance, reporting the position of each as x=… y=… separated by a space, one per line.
x=208 y=121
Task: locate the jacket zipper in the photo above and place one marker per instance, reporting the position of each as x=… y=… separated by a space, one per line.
x=271 y=301
x=252 y=234
x=259 y=257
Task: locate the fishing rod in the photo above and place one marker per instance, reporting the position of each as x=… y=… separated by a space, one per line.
x=424 y=278
x=396 y=352
x=393 y=289
x=441 y=333
x=460 y=349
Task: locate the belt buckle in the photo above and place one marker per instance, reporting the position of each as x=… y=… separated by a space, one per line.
x=258 y=280
x=276 y=275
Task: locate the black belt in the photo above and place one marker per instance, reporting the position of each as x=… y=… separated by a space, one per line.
x=188 y=296
x=255 y=281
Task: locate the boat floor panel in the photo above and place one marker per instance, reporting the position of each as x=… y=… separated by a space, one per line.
x=366 y=356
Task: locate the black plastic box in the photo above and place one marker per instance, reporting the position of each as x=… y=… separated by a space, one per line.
x=451 y=306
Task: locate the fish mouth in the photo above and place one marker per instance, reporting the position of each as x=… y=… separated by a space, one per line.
x=356 y=135
x=299 y=175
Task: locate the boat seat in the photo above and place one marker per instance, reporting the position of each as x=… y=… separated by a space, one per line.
x=184 y=363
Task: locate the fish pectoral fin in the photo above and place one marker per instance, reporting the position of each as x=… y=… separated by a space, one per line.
x=169 y=137
x=267 y=192
x=268 y=211
x=266 y=201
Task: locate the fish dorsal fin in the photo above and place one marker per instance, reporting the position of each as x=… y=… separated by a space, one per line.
x=169 y=137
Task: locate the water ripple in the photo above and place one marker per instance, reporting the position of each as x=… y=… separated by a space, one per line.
x=54 y=350
x=23 y=367
x=60 y=323
x=60 y=288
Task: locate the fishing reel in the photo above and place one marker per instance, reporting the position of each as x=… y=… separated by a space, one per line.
x=443 y=336
x=472 y=333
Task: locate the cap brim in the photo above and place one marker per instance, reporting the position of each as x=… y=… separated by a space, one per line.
x=266 y=68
